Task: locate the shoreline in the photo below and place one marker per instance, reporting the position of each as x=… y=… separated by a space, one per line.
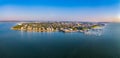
x=57 y=26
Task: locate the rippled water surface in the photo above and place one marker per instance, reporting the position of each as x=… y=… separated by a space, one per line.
x=19 y=44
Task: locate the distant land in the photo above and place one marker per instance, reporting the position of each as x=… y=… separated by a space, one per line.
x=60 y=19
x=44 y=21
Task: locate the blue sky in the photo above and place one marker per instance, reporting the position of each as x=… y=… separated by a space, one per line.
x=59 y=9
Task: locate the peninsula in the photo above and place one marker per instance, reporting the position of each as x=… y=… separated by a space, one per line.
x=57 y=26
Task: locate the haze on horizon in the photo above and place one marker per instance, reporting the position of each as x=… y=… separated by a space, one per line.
x=60 y=10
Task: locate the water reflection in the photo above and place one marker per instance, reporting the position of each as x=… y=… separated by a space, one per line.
x=21 y=33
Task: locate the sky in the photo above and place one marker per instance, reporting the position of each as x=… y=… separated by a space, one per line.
x=60 y=10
